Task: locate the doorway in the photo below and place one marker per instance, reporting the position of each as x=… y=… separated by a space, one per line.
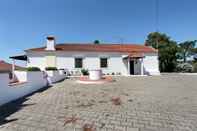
x=131 y=67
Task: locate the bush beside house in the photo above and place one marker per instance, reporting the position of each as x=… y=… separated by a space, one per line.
x=33 y=69
x=51 y=69
x=195 y=67
x=84 y=72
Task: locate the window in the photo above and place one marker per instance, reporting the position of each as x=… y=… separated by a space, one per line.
x=78 y=62
x=103 y=63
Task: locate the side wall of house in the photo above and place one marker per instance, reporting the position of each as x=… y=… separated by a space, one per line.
x=36 y=60
x=151 y=64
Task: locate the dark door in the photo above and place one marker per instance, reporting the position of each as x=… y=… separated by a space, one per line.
x=131 y=67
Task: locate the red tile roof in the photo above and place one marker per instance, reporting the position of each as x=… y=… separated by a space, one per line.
x=135 y=55
x=6 y=67
x=126 y=48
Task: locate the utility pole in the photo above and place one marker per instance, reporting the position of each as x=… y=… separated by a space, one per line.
x=121 y=40
x=157 y=20
x=157 y=15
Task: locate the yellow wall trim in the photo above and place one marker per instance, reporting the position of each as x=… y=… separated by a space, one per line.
x=50 y=61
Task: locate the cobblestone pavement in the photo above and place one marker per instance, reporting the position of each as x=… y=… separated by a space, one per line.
x=162 y=103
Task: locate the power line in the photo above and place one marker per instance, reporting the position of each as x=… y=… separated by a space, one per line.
x=157 y=20
x=157 y=15
x=121 y=40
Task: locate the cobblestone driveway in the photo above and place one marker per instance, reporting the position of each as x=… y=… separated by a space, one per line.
x=163 y=103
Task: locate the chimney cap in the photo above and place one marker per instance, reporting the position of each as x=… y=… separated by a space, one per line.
x=50 y=37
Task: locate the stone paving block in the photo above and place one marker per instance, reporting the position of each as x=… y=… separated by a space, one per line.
x=132 y=129
x=138 y=125
x=121 y=128
x=165 y=129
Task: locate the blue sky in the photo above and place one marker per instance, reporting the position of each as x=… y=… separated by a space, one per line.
x=26 y=23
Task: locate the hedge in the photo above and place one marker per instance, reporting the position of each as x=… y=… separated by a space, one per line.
x=51 y=68
x=33 y=69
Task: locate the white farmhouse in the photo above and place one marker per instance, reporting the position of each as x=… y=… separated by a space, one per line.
x=122 y=59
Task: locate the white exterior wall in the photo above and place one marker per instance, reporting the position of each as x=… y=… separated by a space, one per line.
x=151 y=64
x=91 y=63
x=116 y=65
x=39 y=61
x=91 y=60
x=21 y=76
x=65 y=62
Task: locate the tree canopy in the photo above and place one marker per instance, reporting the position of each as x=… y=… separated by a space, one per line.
x=167 y=50
x=155 y=39
x=96 y=42
x=186 y=49
x=194 y=50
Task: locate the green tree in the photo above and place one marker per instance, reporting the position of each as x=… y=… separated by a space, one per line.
x=96 y=42
x=154 y=39
x=186 y=49
x=167 y=50
x=194 y=50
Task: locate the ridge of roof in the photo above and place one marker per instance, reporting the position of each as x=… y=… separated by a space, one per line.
x=97 y=44
x=98 y=47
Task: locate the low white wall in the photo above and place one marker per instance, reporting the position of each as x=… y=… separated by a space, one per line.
x=21 y=75
x=95 y=74
x=4 y=80
x=55 y=76
x=8 y=93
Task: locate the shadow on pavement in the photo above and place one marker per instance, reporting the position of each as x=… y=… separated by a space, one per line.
x=14 y=106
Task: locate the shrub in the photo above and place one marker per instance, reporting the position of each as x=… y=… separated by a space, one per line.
x=195 y=67
x=33 y=69
x=51 y=68
x=184 y=67
x=84 y=72
x=112 y=73
x=195 y=57
x=96 y=42
x=21 y=69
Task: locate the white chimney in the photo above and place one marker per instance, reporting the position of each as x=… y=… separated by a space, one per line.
x=50 y=43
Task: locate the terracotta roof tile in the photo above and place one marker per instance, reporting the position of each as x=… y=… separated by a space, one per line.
x=6 y=67
x=136 y=55
x=126 y=48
